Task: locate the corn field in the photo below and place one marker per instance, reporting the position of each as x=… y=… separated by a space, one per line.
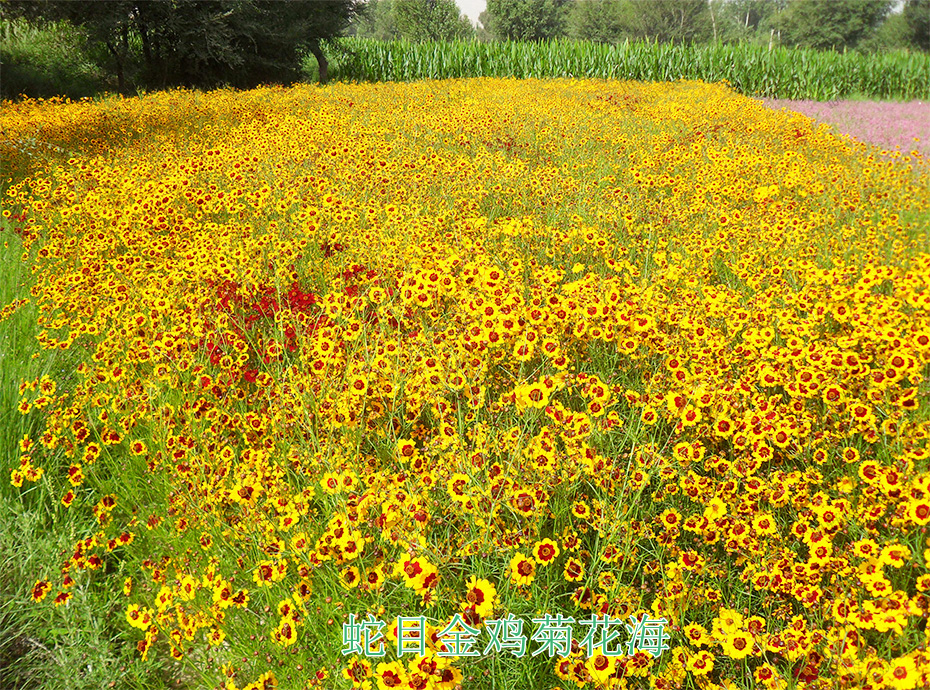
x=750 y=70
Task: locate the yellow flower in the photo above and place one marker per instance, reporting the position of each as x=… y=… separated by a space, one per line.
x=522 y=570
x=700 y=664
x=737 y=645
x=574 y=570
x=902 y=674
x=715 y=508
x=480 y=595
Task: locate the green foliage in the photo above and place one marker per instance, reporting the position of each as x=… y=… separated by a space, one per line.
x=202 y=43
x=750 y=69
x=602 y=21
x=917 y=17
x=42 y=62
x=746 y=20
x=377 y=21
x=84 y=644
x=526 y=20
x=830 y=24
x=674 y=21
x=893 y=34
x=430 y=20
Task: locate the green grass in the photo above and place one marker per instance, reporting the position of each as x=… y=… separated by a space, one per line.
x=83 y=644
x=751 y=70
x=52 y=60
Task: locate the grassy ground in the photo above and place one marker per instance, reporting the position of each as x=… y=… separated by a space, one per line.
x=80 y=645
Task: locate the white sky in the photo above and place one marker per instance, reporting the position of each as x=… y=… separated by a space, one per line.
x=472 y=8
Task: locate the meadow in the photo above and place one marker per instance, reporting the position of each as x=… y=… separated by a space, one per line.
x=472 y=353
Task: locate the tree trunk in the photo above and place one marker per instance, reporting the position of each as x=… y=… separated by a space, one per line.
x=120 y=79
x=320 y=60
x=146 y=43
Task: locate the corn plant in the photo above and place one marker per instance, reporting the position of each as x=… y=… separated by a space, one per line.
x=751 y=70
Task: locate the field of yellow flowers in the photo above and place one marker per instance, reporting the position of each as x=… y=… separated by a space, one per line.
x=471 y=357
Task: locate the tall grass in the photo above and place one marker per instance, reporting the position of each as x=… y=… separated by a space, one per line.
x=84 y=645
x=751 y=70
x=46 y=61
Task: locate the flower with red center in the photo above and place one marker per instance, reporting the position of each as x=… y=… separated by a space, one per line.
x=457 y=485
x=286 y=633
x=480 y=596
x=412 y=570
x=869 y=471
x=545 y=551
x=374 y=579
x=902 y=674
x=670 y=519
x=264 y=574
x=601 y=667
x=522 y=570
x=406 y=449
x=331 y=483
x=691 y=560
x=358 y=385
x=918 y=511
x=350 y=577
x=391 y=675
x=581 y=510
x=574 y=570
x=357 y=671
x=523 y=502
x=701 y=663
x=40 y=589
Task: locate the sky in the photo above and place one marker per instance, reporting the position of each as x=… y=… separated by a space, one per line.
x=472 y=8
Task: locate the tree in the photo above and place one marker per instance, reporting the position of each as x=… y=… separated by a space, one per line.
x=430 y=20
x=830 y=24
x=526 y=20
x=892 y=34
x=740 y=20
x=202 y=43
x=377 y=21
x=483 y=30
x=603 y=21
x=674 y=21
x=917 y=16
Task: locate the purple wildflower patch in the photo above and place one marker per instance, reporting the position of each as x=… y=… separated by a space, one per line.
x=888 y=125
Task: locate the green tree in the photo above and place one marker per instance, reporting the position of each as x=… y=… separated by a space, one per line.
x=377 y=21
x=603 y=21
x=826 y=24
x=526 y=20
x=430 y=20
x=483 y=31
x=675 y=21
x=892 y=34
x=917 y=17
x=746 y=20
x=202 y=43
